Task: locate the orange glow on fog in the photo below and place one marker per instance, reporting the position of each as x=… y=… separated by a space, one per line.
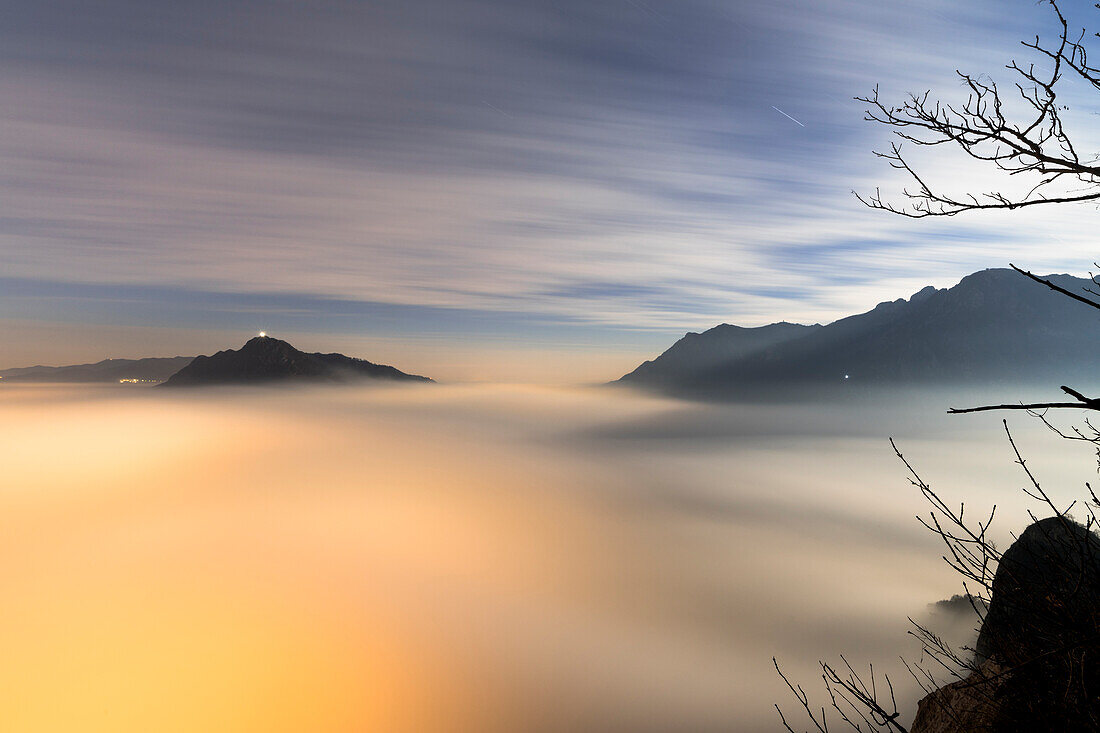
x=462 y=558
x=115 y=657
x=179 y=566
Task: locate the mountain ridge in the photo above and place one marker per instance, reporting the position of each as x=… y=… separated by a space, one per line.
x=697 y=351
x=264 y=359
x=994 y=325
x=151 y=369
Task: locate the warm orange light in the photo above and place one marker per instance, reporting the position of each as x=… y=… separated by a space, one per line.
x=196 y=566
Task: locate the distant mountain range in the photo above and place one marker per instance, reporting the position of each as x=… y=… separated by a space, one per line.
x=108 y=370
x=266 y=359
x=261 y=360
x=995 y=325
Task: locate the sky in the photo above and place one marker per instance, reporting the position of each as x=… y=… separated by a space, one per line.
x=474 y=190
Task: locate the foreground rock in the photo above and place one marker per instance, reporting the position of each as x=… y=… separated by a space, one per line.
x=1038 y=653
x=265 y=359
x=967 y=705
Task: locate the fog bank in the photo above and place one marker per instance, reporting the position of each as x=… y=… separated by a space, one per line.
x=467 y=558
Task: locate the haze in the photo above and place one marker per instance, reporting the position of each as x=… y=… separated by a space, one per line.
x=464 y=558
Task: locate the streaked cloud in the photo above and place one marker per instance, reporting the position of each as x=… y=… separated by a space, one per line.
x=599 y=167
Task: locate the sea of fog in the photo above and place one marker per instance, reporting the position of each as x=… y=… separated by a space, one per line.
x=478 y=558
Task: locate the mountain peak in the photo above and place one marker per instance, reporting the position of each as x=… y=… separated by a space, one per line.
x=263 y=338
x=992 y=325
x=923 y=294
x=266 y=359
x=267 y=344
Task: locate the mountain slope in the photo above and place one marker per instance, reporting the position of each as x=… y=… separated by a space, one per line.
x=994 y=325
x=697 y=353
x=265 y=359
x=108 y=370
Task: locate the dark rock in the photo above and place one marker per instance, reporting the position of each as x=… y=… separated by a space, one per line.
x=966 y=706
x=1046 y=594
x=1041 y=635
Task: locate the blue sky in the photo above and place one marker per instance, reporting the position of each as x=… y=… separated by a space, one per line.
x=510 y=175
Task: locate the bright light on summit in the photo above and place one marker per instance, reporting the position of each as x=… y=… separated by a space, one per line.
x=263 y=334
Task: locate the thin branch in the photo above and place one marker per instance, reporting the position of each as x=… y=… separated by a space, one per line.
x=1034 y=143
x=1030 y=407
x=1056 y=288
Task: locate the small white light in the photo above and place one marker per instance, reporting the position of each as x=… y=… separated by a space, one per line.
x=845 y=376
x=263 y=334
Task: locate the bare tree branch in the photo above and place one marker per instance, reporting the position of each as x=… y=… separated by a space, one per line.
x=1035 y=144
x=1056 y=288
x=1063 y=664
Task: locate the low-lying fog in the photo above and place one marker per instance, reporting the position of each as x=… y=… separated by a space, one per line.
x=468 y=558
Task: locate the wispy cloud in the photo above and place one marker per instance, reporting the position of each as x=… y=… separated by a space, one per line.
x=602 y=165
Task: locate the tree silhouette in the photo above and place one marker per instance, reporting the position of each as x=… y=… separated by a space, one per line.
x=1036 y=665
x=1033 y=144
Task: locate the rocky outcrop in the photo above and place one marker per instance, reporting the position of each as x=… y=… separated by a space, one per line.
x=1046 y=594
x=968 y=705
x=1038 y=652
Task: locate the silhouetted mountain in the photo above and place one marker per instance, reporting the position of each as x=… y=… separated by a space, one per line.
x=266 y=359
x=696 y=353
x=108 y=370
x=995 y=325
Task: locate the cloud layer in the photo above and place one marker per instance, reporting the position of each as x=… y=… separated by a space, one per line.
x=610 y=165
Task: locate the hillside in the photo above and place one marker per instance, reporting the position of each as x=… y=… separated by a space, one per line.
x=265 y=359
x=108 y=370
x=994 y=325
